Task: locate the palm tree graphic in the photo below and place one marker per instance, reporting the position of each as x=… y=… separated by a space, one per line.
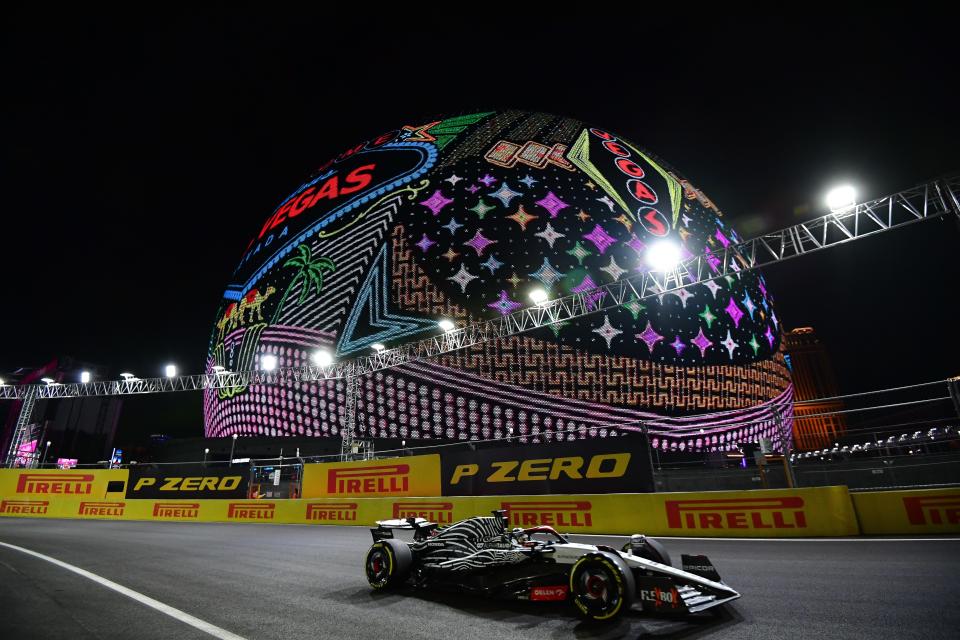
x=309 y=272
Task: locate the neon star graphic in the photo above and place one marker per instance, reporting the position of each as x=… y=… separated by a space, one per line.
x=436 y=202
x=505 y=305
x=734 y=312
x=488 y=180
x=522 y=218
x=529 y=180
x=589 y=285
x=473 y=188
x=702 y=343
x=583 y=215
x=550 y=235
x=482 y=209
x=425 y=243
x=770 y=337
x=590 y=185
x=607 y=201
x=713 y=286
x=729 y=344
x=547 y=274
x=686 y=220
x=722 y=238
x=463 y=278
x=748 y=303
x=684 y=295
x=636 y=244
x=625 y=221
x=579 y=252
x=552 y=204
x=754 y=344
x=453 y=180
x=479 y=242
x=634 y=307
x=504 y=194
x=600 y=238
x=707 y=316
x=450 y=254
x=607 y=331
x=492 y=263
x=452 y=226
x=613 y=269
x=678 y=345
x=650 y=337
x=514 y=280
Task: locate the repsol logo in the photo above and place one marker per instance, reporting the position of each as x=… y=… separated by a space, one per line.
x=558 y=514
x=660 y=597
x=24 y=507
x=250 y=511
x=176 y=510
x=190 y=483
x=332 y=512
x=101 y=509
x=933 y=509
x=383 y=479
x=737 y=513
x=604 y=465
x=439 y=512
x=62 y=483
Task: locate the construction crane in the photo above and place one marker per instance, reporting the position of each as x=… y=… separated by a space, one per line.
x=934 y=199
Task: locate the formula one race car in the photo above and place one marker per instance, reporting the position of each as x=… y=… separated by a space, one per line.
x=482 y=555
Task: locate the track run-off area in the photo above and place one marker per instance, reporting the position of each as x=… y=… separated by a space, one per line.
x=118 y=579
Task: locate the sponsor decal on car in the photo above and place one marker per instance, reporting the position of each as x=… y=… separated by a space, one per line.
x=101 y=509
x=560 y=513
x=439 y=512
x=332 y=511
x=24 y=507
x=176 y=509
x=737 y=513
x=381 y=479
x=927 y=510
x=62 y=483
x=549 y=594
x=660 y=597
x=251 y=511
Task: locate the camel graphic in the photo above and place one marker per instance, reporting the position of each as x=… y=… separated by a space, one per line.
x=236 y=313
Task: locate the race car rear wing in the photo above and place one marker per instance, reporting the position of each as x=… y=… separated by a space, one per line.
x=420 y=526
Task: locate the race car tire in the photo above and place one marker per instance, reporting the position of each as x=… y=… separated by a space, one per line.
x=601 y=586
x=651 y=550
x=388 y=564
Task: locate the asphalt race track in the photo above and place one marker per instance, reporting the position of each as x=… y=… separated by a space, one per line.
x=275 y=581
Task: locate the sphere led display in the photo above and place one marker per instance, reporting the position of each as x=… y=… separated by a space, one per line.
x=461 y=219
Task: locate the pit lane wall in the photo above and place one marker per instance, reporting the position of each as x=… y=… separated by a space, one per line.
x=820 y=511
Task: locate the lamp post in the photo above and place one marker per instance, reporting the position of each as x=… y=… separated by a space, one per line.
x=205 y=452
x=44 y=458
x=232 y=445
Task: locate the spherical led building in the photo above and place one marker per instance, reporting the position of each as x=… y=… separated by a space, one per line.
x=460 y=219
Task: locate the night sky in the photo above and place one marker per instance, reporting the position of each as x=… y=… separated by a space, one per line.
x=140 y=154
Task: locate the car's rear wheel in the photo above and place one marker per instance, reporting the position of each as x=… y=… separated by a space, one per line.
x=601 y=586
x=388 y=564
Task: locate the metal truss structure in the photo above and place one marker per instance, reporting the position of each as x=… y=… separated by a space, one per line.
x=925 y=202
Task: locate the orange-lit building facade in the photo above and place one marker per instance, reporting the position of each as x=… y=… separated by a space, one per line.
x=813 y=378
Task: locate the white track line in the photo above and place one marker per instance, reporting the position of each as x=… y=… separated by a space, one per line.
x=186 y=618
x=718 y=539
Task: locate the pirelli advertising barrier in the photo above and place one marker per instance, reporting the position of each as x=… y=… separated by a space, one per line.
x=188 y=481
x=824 y=511
x=618 y=465
x=63 y=483
x=905 y=512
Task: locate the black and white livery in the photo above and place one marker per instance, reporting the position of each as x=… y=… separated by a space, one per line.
x=483 y=555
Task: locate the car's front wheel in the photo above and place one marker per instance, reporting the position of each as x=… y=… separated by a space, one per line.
x=601 y=586
x=388 y=564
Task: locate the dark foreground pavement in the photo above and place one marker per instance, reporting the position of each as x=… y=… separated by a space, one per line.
x=270 y=581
